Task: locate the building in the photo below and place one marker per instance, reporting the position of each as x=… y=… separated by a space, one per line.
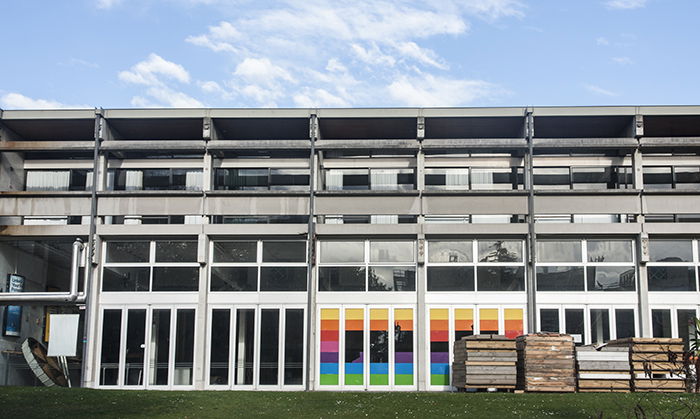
x=344 y=249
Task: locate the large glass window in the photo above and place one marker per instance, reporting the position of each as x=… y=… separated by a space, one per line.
x=156 y=179
x=262 y=179
x=140 y=266
x=672 y=266
x=58 y=180
x=585 y=265
x=367 y=266
x=667 y=177
x=274 y=265
x=447 y=179
x=374 y=179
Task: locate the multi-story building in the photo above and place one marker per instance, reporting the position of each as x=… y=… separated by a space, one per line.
x=345 y=249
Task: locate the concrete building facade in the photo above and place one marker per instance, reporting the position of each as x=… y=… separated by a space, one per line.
x=345 y=249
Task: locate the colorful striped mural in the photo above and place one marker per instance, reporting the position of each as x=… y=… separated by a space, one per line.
x=330 y=322
x=488 y=321
x=379 y=347
x=403 y=346
x=464 y=323
x=513 y=322
x=439 y=347
x=354 y=346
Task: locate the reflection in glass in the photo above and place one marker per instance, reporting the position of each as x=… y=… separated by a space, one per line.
x=508 y=178
x=344 y=278
x=450 y=278
x=289 y=179
x=135 y=344
x=500 y=278
x=111 y=341
x=243 y=278
x=392 y=278
x=184 y=348
x=176 y=251
x=175 y=278
x=160 y=348
x=451 y=179
x=391 y=179
x=559 y=251
x=125 y=279
x=574 y=326
x=549 y=320
x=671 y=278
x=127 y=252
x=600 y=326
x=658 y=178
x=354 y=353
x=284 y=251
x=294 y=347
x=611 y=278
x=609 y=250
x=283 y=278
x=220 y=343
x=687 y=177
x=551 y=177
x=244 y=346
x=342 y=252
x=235 y=252
x=450 y=251
x=560 y=278
x=670 y=250
x=269 y=346
x=624 y=323
x=399 y=251
x=661 y=323
x=347 y=179
x=500 y=251
x=686 y=326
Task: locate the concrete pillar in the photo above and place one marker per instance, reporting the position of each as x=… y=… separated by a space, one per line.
x=643 y=286
x=422 y=353
x=531 y=237
x=201 y=323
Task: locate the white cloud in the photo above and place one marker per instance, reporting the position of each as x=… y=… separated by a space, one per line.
x=172 y=98
x=148 y=72
x=372 y=55
x=623 y=60
x=312 y=98
x=625 y=4
x=422 y=55
x=19 y=101
x=602 y=41
x=261 y=70
x=218 y=39
x=334 y=65
x=599 y=90
x=428 y=90
x=107 y=4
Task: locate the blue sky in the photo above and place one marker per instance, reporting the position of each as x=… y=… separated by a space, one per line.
x=360 y=53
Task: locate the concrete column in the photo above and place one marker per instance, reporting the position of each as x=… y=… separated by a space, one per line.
x=643 y=286
x=201 y=323
x=312 y=280
x=422 y=353
x=92 y=332
x=531 y=237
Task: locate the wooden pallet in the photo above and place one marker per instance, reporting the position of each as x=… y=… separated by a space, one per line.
x=546 y=363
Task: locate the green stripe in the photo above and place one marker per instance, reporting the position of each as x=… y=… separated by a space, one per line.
x=439 y=379
x=354 y=380
x=329 y=380
x=403 y=379
x=379 y=379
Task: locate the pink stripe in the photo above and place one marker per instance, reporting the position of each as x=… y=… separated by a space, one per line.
x=329 y=346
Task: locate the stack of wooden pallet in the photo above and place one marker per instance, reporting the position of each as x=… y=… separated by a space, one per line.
x=605 y=369
x=656 y=363
x=484 y=361
x=546 y=362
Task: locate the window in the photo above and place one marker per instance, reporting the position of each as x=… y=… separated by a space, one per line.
x=471 y=265
x=672 y=266
x=374 y=179
x=156 y=179
x=262 y=179
x=58 y=180
x=509 y=178
x=583 y=177
x=141 y=266
x=602 y=325
x=608 y=265
x=551 y=178
x=367 y=266
x=269 y=265
x=447 y=179
x=671 y=177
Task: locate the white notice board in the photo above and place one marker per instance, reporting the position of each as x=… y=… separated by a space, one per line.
x=63 y=334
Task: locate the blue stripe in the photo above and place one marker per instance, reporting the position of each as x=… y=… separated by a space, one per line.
x=404 y=368
x=440 y=369
x=353 y=368
x=328 y=368
x=376 y=368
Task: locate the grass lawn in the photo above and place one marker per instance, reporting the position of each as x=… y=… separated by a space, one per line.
x=38 y=402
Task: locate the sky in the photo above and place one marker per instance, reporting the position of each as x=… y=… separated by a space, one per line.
x=358 y=53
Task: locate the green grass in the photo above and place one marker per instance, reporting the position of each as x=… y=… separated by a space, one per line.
x=36 y=402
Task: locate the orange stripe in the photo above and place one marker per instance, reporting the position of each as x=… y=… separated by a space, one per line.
x=488 y=325
x=439 y=325
x=406 y=325
x=464 y=325
x=354 y=324
x=378 y=325
x=329 y=324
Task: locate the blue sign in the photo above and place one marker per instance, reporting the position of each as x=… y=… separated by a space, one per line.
x=13 y=314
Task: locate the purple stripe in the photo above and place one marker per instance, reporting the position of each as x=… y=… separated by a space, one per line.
x=359 y=359
x=329 y=357
x=439 y=358
x=404 y=357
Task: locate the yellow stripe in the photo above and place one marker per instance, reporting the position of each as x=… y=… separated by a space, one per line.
x=354 y=314
x=379 y=314
x=403 y=314
x=488 y=314
x=330 y=314
x=513 y=313
x=464 y=314
x=439 y=314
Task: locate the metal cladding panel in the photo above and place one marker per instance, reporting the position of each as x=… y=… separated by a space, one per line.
x=73 y=230
x=170 y=205
x=474 y=229
x=364 y=205
x=255 y=229
x=671 y=204
x=586 y=228
x=672 y=228
x=367 y=229
x=463 y=205
x=251 y=205
x=151 y=229
x=588 y=204
x=41 y=205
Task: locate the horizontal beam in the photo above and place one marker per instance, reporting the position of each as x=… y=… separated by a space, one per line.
x=47 y=145
x=152 y=145
x=585 y=143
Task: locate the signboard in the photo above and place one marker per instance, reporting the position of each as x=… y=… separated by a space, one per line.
x=13 y=314
x=63 y=334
